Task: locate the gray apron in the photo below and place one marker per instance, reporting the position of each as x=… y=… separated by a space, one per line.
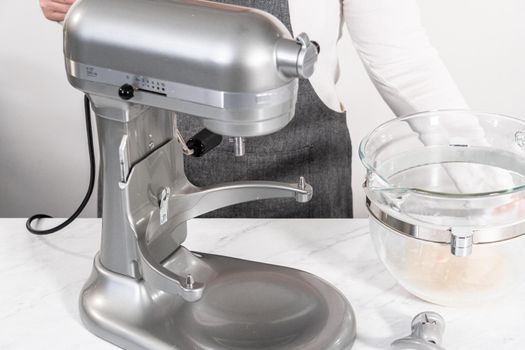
x=315 y=144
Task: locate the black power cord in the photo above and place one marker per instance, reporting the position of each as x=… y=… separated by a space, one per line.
x=87 y=113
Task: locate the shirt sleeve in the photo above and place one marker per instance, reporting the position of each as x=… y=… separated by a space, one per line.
x=398 y=56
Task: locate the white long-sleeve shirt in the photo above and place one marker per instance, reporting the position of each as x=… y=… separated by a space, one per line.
x=392 y=44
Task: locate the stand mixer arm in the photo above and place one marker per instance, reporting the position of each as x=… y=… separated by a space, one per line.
x=182 y=206
x=199 y=201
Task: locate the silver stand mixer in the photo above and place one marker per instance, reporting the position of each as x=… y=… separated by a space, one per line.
x=237 y=69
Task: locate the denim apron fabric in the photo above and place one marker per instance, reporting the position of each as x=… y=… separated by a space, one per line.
x=315 y=144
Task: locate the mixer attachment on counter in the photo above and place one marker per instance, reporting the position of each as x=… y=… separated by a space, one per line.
x=427 y=333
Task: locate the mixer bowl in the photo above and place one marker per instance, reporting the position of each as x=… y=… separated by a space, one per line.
x=446 y=197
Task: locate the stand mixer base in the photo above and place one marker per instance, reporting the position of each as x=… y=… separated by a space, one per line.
x=246 y=305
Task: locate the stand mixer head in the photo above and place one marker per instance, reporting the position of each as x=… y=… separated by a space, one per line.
x=236 y=69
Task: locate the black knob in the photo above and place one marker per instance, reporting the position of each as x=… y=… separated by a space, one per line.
x=126 y=91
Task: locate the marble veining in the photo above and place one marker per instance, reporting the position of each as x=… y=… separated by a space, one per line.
x=41 y=278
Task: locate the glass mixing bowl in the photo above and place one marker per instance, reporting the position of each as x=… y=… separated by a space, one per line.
x=446 y=197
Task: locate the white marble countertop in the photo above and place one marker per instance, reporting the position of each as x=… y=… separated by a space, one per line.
x=41 y=278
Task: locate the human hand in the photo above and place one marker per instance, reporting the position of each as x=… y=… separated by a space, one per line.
x=463 y=128
x=55 y=10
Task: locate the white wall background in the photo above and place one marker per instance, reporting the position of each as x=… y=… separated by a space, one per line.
x=43 y=157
